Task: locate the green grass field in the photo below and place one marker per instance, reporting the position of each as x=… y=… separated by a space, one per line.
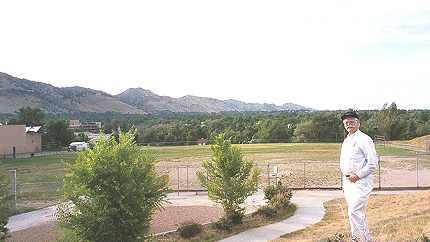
x=47 y=168
x=51 y=168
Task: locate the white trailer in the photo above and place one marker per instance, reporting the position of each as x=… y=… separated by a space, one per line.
x=78 y=146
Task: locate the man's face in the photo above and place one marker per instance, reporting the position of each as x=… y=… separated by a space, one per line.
x=351 y=125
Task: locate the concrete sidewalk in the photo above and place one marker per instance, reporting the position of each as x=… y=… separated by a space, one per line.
x=202 y=199
x=310 y=210
x=31 y=219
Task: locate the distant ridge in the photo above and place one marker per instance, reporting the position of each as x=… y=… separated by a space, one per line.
x=16 y=93
x=147 y=100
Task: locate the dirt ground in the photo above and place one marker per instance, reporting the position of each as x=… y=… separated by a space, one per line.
x=166 y=220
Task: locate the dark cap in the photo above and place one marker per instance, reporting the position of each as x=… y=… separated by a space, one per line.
x=349 y=115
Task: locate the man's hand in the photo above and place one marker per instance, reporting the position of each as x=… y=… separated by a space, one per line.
x=353 y=178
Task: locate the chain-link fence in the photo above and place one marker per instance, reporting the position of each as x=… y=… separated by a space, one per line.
x=11 y=184
x=395 y=171
x=403 y=171
x=46 y=149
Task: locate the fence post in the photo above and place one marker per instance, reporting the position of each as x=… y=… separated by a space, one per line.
x=379 y=170
x=256 y=184
x=15 y=188
x=50 y=188
x=304 y=175
x=417 y=169
x=268 y=173
x=178 y=179
x=187 y=180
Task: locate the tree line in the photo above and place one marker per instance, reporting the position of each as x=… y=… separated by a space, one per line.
x=269 y=127
x=239 y=127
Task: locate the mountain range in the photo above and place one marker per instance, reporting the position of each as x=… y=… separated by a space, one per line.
x=16 y=93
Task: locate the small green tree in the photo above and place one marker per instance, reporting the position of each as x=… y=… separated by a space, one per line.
x=29 y=116
x=5 y=199
x=58 y=132
x=113 y=190
x=228 y=178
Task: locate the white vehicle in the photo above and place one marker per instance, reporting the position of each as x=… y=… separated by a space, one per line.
x=78 y=146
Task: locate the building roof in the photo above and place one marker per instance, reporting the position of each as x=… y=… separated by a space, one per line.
x=32 y=129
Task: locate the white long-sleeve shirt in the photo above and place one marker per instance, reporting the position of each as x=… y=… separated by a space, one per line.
x=358 y=155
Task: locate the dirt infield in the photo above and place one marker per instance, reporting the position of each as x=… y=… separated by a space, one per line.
x=163 y=221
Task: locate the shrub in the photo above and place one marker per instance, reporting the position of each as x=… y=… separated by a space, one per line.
x=278 y=196
x=223 y=224
x=236 y=217
x=190 y=229
x=267 y=211
x=269 y=192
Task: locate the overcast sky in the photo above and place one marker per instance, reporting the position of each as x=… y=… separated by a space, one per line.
x=326 y=55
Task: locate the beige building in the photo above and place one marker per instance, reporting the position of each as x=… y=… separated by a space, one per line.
x=18 y=139
x=93 y=126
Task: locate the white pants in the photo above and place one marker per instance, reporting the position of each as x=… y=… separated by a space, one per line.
x=356 y=195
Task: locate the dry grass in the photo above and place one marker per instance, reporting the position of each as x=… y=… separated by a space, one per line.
x=260 y=153
x=404 y=217
x=420 y=141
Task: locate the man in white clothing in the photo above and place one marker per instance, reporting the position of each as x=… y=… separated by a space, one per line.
x=357 y=161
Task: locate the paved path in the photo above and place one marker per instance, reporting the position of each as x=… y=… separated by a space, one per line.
x=310 y=210
x=31 y=219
